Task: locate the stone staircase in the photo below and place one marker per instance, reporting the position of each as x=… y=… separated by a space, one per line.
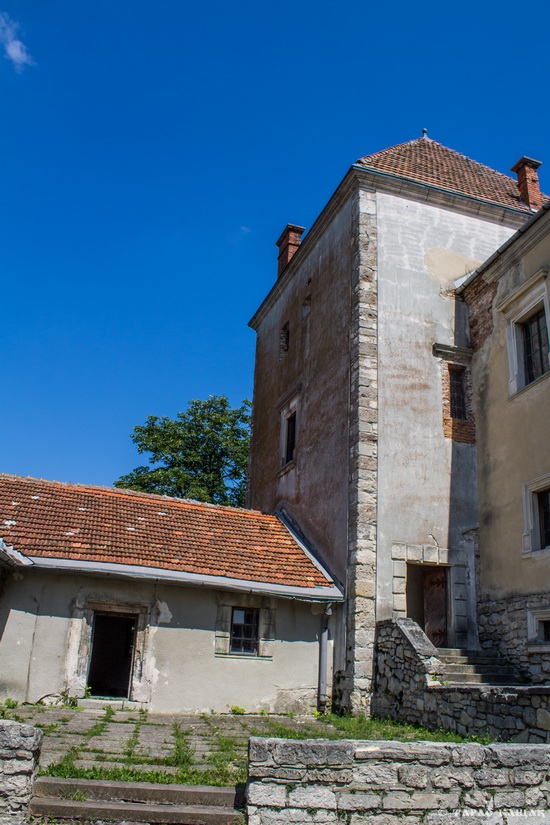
x=84 y=800
x=474 y=667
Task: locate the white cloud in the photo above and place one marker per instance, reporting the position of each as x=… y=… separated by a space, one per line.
x=14 y=49
x=246 y=230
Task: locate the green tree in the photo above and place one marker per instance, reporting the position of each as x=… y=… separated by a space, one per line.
x=202 y=454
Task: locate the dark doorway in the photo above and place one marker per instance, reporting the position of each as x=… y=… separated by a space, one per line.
x=427 y=600
x=112 y=654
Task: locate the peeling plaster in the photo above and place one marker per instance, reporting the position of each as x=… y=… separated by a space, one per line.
x=444 y=266
x=164 y=615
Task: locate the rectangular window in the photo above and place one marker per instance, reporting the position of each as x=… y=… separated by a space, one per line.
x=543 y=501
x=535 y=346
x=544 y=631
x=290 y=440
x=526 y=310
x=457 y=393
x=244 y=631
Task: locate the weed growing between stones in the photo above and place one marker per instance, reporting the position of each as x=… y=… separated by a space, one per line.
x=101 y=727
x=363 y=727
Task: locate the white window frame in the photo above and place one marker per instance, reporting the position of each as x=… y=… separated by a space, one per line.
x=531 y=518
x=535 y=619
x=518 y=307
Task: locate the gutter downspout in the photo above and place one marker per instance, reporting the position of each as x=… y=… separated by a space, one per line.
x=323 y=659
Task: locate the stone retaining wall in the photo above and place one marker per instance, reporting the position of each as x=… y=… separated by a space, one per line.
x=396 y=783
x=504 y=628
x=19 y=752
x=408 y=689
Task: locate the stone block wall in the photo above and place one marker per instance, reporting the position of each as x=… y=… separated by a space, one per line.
x=19 y=752
x=396 y=783
x=354 y=687
x=410 y=688
x=504 y=628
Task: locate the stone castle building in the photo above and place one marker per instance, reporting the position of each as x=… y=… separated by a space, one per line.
x=367 y=407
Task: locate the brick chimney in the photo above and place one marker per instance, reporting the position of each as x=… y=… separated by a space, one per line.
x=528 y=182
x=288 y=243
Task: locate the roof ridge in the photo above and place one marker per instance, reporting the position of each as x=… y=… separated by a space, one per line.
x=124 y=492
x=418 y=141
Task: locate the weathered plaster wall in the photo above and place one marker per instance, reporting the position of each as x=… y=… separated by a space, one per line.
x=396 y=783
x=315 y=302
x=41 y=626
x=427 y=483
x=329 y=303
x=513 y=442
x=19 y=752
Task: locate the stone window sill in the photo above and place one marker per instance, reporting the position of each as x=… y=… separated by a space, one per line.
x=527 y=387
x=538 y=647
x=544 y=553
x=251 y=657
x=286 y=468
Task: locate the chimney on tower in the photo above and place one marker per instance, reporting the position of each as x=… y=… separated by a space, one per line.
x=528 y=182
x=288 y=243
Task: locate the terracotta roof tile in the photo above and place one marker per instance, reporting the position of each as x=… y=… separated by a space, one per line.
x=102 y=524
x=426 y=161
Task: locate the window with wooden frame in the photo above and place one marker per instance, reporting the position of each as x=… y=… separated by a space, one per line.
x=244 y=630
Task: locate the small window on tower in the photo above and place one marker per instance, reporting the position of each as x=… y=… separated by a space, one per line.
x=290 y=437
x=457 y=389
x=284 y=341
x=543 y=506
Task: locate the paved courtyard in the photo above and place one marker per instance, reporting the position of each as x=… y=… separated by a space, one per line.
x=109 y=741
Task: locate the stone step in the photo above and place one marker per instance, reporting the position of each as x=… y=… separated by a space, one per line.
x=492 y=669
x=104 y=811
x=142 y=792
x=474 y=660
x=479 y=679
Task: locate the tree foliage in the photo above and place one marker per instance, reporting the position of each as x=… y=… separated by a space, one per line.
x=202 y=454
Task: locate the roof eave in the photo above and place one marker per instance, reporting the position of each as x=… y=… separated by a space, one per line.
x=11 y=557
x=505 y=246
x=329 y=593
x=470 y=203
x=339 y=196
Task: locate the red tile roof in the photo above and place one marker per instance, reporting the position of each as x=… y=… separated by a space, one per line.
x=53 y=520
x=426 y=161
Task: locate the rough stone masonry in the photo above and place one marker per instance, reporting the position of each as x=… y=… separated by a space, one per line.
x=396 y=783
x=19 y=752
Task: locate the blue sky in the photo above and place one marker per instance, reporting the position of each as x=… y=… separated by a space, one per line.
x=153 y=153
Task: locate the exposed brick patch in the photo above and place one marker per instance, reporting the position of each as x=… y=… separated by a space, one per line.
x=479 y=297
x=463 y=430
